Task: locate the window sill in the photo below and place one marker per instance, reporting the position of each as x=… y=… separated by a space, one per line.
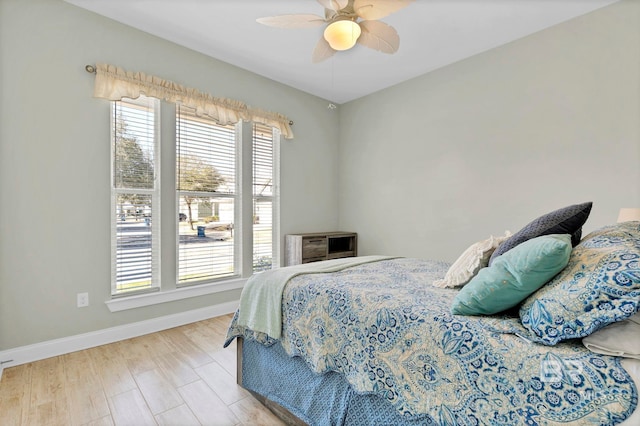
x=148 y=299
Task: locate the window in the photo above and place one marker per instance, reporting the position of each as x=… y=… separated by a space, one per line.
x=206 y=190
x=265 y=197
x=224 y=175
x=135 y=195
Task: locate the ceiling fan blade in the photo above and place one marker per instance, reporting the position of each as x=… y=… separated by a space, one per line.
x=334 y=5
x=292 y=21
x=329 y=14
x=379 y=36
x=322 y=51
x=377 y=9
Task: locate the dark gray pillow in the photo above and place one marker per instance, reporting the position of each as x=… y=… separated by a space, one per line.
x=568 y=220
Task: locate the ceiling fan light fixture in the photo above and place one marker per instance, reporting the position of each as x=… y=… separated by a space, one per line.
x=343 y=34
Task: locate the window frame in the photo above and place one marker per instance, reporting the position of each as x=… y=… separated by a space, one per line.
x=236 y=196
x=243 y=212
x=156 y=249
x=275 y=193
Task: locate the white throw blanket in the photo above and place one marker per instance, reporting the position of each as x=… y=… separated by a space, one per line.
x=261 y=299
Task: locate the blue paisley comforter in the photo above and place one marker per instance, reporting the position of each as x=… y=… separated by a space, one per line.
x=389 y=331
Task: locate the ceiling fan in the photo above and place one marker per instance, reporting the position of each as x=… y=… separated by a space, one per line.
x=347 y=22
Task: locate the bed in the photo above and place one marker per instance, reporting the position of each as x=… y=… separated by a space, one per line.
x=374 y=342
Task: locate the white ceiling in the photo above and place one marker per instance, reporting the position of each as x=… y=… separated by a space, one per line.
x=433 y=33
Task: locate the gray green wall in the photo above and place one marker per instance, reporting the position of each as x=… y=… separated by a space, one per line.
x=54 y=162
x=487 y=144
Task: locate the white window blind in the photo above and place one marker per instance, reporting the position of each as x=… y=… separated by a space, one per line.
x=224 y=175
x=264 y=193
x=135 y=199
x=206 y=191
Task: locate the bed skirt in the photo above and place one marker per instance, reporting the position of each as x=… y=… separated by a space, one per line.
x=316 y=399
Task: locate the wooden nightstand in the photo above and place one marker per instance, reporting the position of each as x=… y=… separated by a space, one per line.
x=306 y=248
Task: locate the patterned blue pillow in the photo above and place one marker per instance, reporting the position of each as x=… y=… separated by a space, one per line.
x=568 y=220
x=599 y=286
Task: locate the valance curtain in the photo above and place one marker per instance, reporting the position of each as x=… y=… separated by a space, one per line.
x=114 y=83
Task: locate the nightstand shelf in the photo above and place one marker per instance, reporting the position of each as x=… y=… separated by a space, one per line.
x=314 y=247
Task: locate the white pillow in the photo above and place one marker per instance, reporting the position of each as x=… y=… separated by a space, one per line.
x=617 y=339
x=470 y=262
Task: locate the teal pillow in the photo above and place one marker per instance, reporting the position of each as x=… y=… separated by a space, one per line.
x=514 y=276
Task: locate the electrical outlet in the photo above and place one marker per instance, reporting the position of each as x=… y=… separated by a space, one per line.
x=83 y=300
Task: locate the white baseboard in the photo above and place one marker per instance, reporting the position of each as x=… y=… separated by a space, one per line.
x=51 y=348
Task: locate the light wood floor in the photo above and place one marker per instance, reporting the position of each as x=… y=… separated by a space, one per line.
x=180 y=376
